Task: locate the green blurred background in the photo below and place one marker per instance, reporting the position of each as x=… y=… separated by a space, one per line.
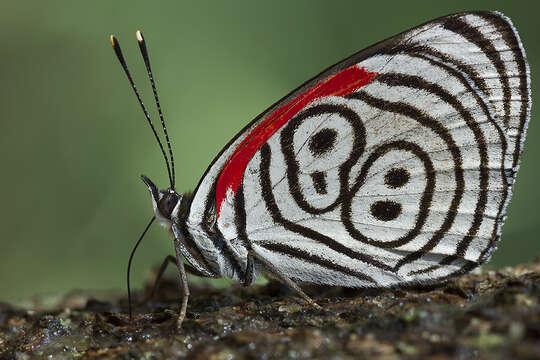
x=74 y=141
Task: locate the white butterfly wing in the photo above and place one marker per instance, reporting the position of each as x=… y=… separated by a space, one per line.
x=403 y=179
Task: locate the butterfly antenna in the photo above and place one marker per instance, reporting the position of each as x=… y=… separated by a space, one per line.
x=144 y=52
x=116 y=46
x=129 y=264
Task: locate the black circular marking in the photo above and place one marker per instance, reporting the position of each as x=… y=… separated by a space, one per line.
x=396 y=178
x=385 y=210
x=322 y=141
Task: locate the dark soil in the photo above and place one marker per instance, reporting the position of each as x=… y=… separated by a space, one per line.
x=492 y=315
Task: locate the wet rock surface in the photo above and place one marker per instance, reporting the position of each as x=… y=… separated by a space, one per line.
x=491 y=315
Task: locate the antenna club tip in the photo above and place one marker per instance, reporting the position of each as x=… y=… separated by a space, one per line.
x=112 y=39
x=139 y=35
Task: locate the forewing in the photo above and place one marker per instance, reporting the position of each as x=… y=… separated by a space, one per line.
x=390 y=167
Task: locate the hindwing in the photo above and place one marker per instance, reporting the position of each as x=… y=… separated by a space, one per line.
x=392 y=166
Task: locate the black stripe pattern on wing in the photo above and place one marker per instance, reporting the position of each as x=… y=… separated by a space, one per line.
x=306 y=232
x=509 y=37
x=194 y=250
x=217 y=238
x=463 y=79
x=459 y=25
x=475 y=36
x=240 y=222
x=432 y=124
x=428 y=122
x=416 y=82
x=455 y=66
x=240 y=217
x=314 y=259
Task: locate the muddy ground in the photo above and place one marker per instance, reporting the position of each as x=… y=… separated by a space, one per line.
x=488 y=315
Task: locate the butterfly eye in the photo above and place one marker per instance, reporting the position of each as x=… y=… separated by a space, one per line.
x=167 y=204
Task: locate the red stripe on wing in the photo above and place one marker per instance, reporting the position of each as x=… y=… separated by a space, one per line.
x=343 y=83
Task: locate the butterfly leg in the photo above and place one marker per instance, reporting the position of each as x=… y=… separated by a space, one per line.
x=185 y=290
x=168 y=260
x=248 y=274
x=275 y=271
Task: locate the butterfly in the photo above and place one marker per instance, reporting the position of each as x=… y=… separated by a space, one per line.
x=392 y=167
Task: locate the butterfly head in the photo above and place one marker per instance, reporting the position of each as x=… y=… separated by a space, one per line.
x=166 y=203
